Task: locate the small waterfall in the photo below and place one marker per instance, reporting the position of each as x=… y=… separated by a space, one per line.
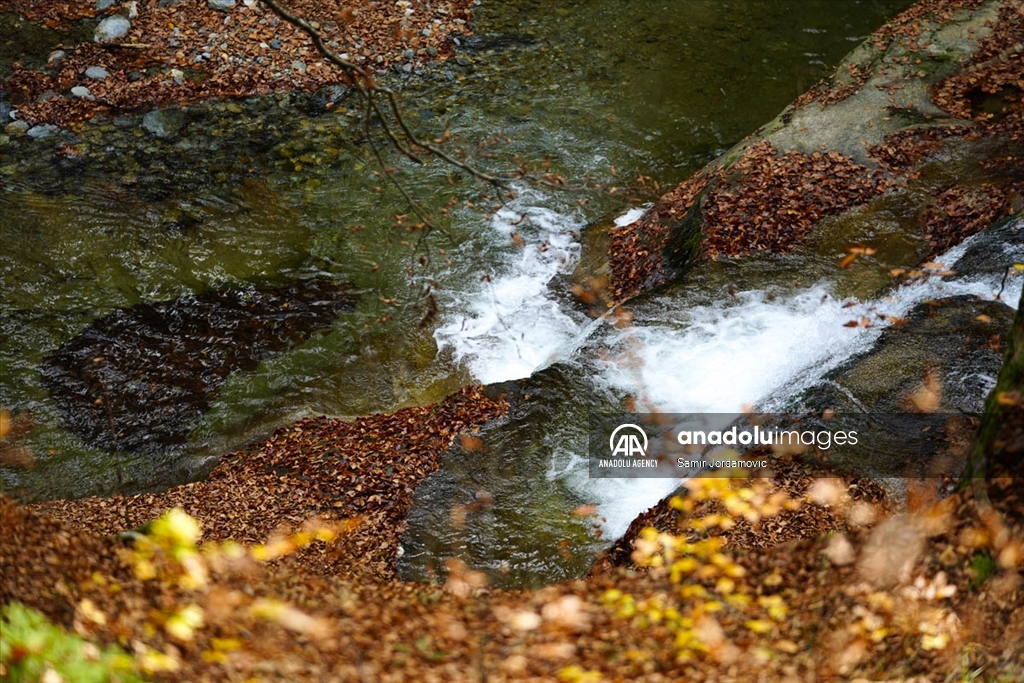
x=678 y=358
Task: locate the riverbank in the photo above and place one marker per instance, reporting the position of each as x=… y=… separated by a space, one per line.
x=121 y=56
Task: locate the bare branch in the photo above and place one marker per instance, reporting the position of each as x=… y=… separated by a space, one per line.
x=369 y=90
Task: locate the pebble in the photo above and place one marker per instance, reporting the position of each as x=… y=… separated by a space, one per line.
x=55 y=58
x=112 y=28
x=135 y=76
x=221 y=5
x=17 y=127
x=96 y=73
x=47 y=96
x=431 y=50
x=275 y=44
x=82 y=91
x=102 y=5
x=43 y=130
x=164 y=123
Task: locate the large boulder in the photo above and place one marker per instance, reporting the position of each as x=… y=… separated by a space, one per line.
x=913 y=116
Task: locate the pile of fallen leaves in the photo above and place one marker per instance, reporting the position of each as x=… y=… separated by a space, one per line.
x=765 y=202
x=776 y=200
x=903 y=151
x=924 y=593
x=794 y=478
x=990 y=90
x=181 y=51
x=363 y=471
x=959 y=211
x=635 y=250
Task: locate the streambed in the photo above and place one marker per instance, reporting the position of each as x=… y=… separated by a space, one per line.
x=265 y=192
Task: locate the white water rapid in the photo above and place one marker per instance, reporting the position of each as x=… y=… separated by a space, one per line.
x=697 y=359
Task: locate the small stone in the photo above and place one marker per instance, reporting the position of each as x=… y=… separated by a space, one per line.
x=431 y=50
x=407 y=68
x=47 y=96
x=5 y=111
x=96 y=73
x=164 y=123
x=299 y=66
x=103 y=5
x=409 y=54
x=136 y=76
x=112 y=28
x=425 y=33
x=221 y=5
x=4 y=139
x=83 y=92
x=55 y=58
x=43 y=130
x=17 y=127
x=275 y=44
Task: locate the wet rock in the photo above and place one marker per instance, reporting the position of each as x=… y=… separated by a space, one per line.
x=923 y=379
x=112 y=28
x=96 y=73
x=221 y=5
x=41 y=131
x=137 y=378
x=17 y=127
x=327 y=98
x=164 y=123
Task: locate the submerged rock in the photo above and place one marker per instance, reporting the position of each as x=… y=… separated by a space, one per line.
x=164 y=123
x=138 y=377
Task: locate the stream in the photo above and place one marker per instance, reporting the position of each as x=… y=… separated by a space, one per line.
x=255 y=196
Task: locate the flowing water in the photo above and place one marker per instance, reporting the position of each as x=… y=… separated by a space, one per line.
x=258 y=194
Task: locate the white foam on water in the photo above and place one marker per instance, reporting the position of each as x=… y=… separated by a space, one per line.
x=630 y=216
x=512 y=325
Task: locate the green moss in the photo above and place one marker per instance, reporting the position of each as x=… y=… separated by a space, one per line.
x=983 y=566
